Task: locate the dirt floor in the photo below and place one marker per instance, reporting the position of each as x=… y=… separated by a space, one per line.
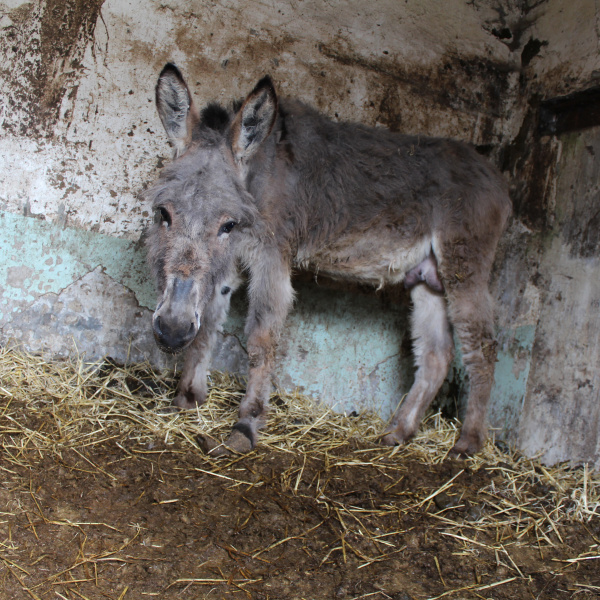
x=104 y=494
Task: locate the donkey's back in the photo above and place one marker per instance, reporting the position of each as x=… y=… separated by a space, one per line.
x=367 y=203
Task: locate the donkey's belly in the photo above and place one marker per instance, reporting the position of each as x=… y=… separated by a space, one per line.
x=366 y=259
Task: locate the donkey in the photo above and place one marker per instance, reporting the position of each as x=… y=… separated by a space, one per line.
x=271 y=185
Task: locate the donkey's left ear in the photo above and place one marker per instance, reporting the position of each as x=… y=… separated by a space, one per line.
x=175 y=108
x=254 y=121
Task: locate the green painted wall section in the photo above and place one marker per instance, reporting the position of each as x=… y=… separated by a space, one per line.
x=510 y=380
x=348 y=347
x=40 y=257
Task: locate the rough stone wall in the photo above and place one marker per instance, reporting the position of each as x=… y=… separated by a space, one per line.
x=80 y=139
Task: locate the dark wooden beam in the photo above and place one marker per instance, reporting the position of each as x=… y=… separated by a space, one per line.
x=580 y=110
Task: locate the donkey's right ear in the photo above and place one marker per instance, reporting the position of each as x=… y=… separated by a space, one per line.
x=254 y=121
x=175 y=108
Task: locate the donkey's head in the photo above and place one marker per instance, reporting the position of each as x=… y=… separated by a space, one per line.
x=204 y=215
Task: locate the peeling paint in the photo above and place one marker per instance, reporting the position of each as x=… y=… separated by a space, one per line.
x=90 y=313
x=511 y=376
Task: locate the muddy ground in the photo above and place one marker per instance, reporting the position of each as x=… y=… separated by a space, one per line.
x=120 y=518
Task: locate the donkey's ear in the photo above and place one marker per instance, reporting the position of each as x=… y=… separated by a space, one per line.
x=254 y=121
x=175 y=107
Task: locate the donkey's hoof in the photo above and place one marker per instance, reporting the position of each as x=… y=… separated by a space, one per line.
x=206 y=443
x=458 y=451
x=239 y=442
x=210 y=446
x=393 y=438
x=466 y=446
x=183 y=403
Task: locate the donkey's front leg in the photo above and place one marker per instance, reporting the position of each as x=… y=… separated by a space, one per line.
x=271 y=296
x=255 y=404
x=193 y=388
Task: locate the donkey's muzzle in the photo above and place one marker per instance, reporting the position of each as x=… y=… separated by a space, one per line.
x=173 y=339
x=175 y=323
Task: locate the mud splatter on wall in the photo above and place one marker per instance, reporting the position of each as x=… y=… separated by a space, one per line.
x=80 y=139
x=43 y=48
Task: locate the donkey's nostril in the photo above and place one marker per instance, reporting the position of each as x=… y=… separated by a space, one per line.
x=157 y=326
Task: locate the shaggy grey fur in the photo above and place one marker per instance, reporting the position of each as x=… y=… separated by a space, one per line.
x=275 y=185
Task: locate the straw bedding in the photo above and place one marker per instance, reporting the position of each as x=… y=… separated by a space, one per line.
x=105 y=494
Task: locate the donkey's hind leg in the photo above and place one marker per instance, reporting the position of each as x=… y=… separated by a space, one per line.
x=433 y=350
x=470 y=308
x=193 y=386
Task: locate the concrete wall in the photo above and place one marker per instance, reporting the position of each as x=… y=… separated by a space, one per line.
x=80 y=139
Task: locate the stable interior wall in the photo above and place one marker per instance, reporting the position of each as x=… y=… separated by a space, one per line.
x=81 y=139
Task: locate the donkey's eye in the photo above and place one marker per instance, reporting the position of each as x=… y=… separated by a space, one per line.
x=227 y=227
x=162 y=216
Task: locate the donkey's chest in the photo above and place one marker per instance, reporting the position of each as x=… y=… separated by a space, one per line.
x=369 y=258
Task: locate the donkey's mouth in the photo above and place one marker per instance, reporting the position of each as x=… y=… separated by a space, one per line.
x=170 y=350
x=173 y=348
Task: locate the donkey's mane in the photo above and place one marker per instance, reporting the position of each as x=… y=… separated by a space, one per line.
x=214 y=116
